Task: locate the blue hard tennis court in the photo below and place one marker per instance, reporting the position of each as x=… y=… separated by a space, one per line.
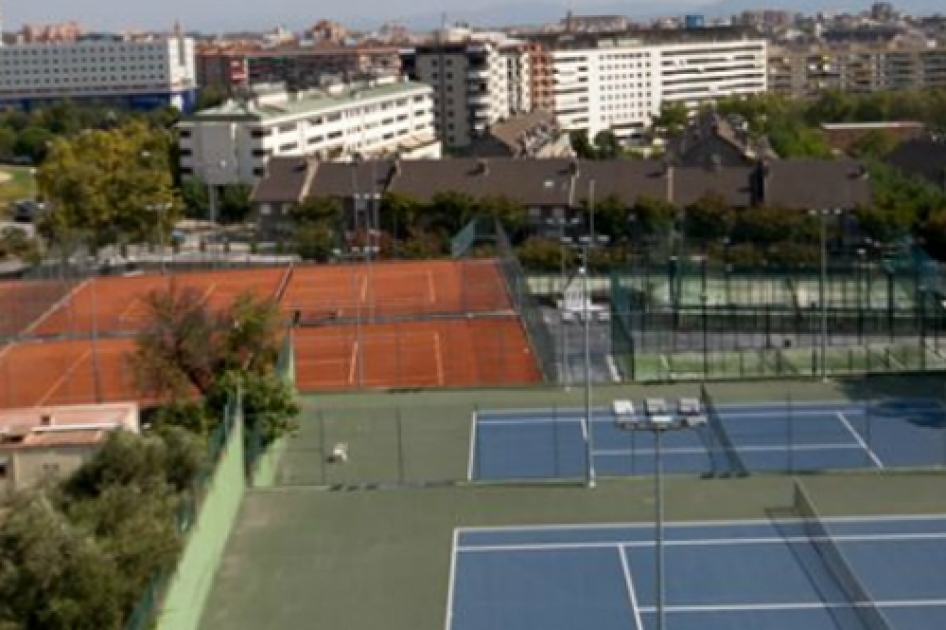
x=758 y=575
x=787 y=436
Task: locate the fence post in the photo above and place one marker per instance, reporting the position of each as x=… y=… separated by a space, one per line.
x=400 y=445
x=556 y=469
x=323 y=451
x=791 y=434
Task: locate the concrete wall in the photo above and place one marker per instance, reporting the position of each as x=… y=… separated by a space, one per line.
x=189 y=587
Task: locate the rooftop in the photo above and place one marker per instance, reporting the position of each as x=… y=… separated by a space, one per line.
x=304 y=103
x=62 y=426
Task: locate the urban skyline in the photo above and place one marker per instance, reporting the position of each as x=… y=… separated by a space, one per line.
x=96 y=15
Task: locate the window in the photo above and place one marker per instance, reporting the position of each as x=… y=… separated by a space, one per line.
x=259 y=172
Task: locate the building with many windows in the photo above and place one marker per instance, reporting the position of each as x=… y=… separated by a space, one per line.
x=234 y=142
x=808 y=70
x=478 y=80
x=618 y=82
x=232 y=68
x=140 y=72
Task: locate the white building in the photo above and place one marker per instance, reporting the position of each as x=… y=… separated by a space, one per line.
x=232 y=143
x=619 y=83
x=478 y=80
x=141 y=73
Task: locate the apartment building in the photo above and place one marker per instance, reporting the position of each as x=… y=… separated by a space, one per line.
x=141 y=73
x=618 y=82
x=234 y=142
x=232 y=68
x=478 y=81
x=860 y=68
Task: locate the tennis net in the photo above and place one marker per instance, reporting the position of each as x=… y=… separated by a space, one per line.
x=736 y=464
x=840 y=569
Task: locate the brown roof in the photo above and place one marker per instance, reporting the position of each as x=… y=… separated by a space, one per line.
x=924 y=158
x=732 y=183
x=510 y=132
x=796 y=183
x=817 y=184
x=625 y=180
x=343 y=179
x=535 y=182
x=286 y=180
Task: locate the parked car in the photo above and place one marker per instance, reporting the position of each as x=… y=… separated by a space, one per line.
x=27 y=210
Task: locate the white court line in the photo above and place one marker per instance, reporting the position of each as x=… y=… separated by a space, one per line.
x=708 y=542
x=473 y=438
x=62 y=379
x=742 y=449
x=363 y=299
x=353 y=363
x=882 y=518
x=704 y=608
x=448 y=618
x=613 y=368
x=631 y=593
x=438 y=358
x=431 y=290
x=860 y=440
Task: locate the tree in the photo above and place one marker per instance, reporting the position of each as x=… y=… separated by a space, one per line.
x=55 y=574
x=708 y=218
x=607 y=146
x=874 y=144
x=581 y=146
x=106 y=184
x=269 y=404
x=235 y=203
x=188 y=351
x=196 y=203
x=33 y=142
x=673 y=116
x=211 y=96
x=543 y=254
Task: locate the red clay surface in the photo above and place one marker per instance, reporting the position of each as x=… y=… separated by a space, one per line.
x=64 y=373
x=448 y=353
x=396 y=289
x=117 y=305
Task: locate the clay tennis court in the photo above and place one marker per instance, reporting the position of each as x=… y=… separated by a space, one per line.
x=74 y=372
x=24 y=302
x=117 y=305
x=443 y=353
x=395 y=289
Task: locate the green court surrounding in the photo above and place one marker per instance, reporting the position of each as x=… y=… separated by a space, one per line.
x=367 y=544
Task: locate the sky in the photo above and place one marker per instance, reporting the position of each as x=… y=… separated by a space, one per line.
x=213 y=16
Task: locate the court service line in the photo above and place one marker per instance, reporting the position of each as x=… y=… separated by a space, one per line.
x=819 y=605
x=353 y=363
x=860 y=440
x=438 y=356
x=742 y=449
x=62 y=379
x=631 y=593
x=62 y=303
x=707 y=542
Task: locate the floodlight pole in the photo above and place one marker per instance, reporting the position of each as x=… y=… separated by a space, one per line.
x=586 y=312
x=824 y=294
x=659 y=530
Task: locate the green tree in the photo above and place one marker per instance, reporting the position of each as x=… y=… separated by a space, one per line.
x=269 y=404
x=673 y=116
x=55 y=574
x=874 y=144
x=235 y=203
x=33 y=142
x=708 y=218
x=581 y=146
x=105 y=184
x=211 y=96
x=196 y=203
x=607 y=146
x=315 y=241
x=543 y=254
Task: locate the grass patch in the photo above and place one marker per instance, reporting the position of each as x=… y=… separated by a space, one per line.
x=21 y=185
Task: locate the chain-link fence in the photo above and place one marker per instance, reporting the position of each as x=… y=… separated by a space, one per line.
x=707 y=319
